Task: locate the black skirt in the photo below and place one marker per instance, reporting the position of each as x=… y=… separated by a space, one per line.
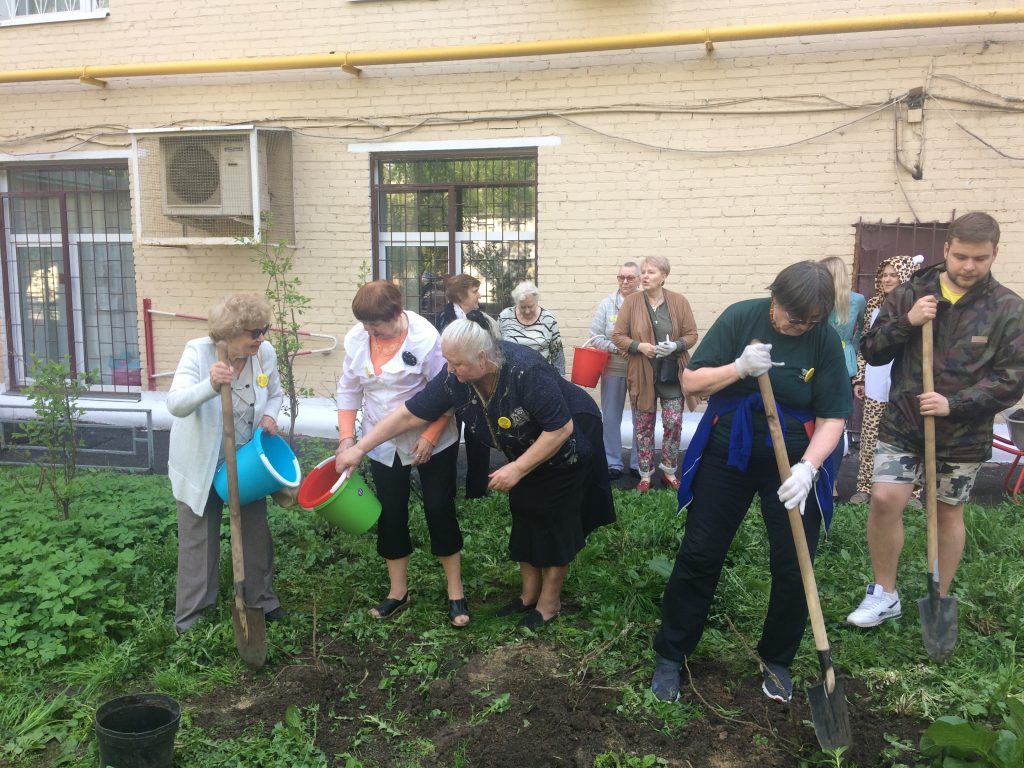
x=554 y=508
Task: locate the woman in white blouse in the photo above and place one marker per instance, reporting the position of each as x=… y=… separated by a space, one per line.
x=390 y=355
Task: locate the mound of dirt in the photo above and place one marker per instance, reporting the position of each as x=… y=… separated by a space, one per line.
x=525 y=705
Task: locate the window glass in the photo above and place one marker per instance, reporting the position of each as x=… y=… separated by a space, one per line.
x=58 y=10
x=466 y=213
x=95 y=240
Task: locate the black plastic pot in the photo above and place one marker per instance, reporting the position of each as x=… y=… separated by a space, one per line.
x=137 y=731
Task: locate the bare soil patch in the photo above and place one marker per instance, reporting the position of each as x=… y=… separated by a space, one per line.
x=552 y=715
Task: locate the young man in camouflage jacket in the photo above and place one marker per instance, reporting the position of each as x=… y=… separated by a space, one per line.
x=978 y=331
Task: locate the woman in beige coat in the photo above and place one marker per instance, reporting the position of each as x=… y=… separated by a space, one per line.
x=655 y=328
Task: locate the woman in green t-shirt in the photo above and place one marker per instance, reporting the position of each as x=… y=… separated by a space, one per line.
x=730 y=460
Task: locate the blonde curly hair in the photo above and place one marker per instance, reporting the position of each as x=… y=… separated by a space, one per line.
x=237 y=314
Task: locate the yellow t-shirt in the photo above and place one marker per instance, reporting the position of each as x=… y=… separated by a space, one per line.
x=948 y=293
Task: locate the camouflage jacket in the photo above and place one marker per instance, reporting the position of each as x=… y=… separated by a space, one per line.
x=978 y=364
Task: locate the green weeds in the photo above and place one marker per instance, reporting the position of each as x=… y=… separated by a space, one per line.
x=86 y=606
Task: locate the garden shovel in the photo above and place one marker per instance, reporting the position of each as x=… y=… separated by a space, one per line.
x=250 y=623
x=827 y=699
x=938 y=614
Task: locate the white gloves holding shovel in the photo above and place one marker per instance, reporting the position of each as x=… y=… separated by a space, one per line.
x=756 y=360
x=796 y=489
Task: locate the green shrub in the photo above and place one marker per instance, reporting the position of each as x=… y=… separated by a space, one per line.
x=952 y=742
x=54 y=394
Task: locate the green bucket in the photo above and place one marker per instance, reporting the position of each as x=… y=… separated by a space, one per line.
x=342 y=500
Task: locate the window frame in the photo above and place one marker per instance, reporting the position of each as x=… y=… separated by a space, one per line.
x=87 y=9
x=70 y=242
x=449 y=239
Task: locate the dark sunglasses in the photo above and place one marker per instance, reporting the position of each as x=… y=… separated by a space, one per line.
x=255 y=333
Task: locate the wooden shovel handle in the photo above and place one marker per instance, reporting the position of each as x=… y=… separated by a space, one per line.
x=803 y=554
x=930 y=481
x=231 y=468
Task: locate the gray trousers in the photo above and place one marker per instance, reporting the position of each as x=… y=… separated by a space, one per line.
x=613 y=399
x=199 y=559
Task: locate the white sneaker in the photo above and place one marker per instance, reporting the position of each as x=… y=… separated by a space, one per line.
x=877 y=606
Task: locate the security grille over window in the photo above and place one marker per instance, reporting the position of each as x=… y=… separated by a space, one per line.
x=214 y=186
x=439 y=214
x=58 y=10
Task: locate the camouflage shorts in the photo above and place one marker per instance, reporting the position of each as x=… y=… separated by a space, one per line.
x=955 y=481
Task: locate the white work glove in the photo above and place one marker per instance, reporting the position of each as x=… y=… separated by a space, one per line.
x=755 y=360
x=665 y=348
x=794 y=491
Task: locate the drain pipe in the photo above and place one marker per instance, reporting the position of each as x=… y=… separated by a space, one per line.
x=352 y=62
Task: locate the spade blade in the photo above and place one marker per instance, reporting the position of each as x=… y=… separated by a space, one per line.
x=250 y=635
x=939 y=622
x=830 y=716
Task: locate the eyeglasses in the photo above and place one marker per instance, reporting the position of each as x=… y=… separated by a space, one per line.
x=624 y=278
x=255 y=333
x=801 y=322
x=790 y=320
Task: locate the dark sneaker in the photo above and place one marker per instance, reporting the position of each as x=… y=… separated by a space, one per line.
x=274 y=614
x=665 y=683
x=777 y=683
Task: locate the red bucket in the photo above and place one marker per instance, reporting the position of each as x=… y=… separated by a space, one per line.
x=587 y=364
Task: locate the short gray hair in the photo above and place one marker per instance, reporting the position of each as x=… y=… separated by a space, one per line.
x=524 y=289
x=471 y=339
x=658 y=262
x=234 y=315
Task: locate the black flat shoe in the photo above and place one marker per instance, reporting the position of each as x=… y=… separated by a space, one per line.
x=275 y=614
x=458 y=608
x=535 y=619
x=614 y=474
x=390 y=607
x=513 y=607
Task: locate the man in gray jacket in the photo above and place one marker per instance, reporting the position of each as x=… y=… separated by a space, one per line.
x=613 y=378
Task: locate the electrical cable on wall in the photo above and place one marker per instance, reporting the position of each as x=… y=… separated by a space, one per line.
x=391 y=126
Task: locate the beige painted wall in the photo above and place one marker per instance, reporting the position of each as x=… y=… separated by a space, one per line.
x=732 y=164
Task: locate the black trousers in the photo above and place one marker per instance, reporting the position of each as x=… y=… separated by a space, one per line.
x=437 y=480
x=478 y=464
x=721 y=497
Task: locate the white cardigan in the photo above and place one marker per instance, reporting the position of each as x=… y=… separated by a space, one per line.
x=360 y=387
x=198 y=431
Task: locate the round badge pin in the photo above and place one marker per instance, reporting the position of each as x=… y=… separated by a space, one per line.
x=504 y=422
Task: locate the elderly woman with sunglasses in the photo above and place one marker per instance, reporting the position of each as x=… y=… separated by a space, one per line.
x=197 y=448
x=390 y=355
x=730 y=459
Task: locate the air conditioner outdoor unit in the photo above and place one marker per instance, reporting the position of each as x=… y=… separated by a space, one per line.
x=206 y=175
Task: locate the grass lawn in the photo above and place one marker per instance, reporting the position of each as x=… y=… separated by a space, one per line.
x=86 y=614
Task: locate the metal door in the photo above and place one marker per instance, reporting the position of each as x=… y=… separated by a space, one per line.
x=876 y=242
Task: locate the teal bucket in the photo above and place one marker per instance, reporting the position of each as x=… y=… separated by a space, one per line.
x=342 y=500
x=265 y=464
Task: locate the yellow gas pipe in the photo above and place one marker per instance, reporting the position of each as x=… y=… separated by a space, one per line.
x=353 y=61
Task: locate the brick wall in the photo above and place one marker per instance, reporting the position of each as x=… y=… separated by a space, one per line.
x=732 y=164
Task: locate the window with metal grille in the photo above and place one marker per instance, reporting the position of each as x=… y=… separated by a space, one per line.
x=69 y=273
x=36 y=11
x=436 y=215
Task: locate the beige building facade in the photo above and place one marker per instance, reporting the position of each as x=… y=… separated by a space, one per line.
x=732 y=158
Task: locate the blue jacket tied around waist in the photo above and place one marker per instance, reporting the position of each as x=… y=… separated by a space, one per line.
x=741 y=440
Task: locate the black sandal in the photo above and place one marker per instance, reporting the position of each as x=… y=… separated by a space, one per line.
x=390 y=607
x=458 y=608
x=513 y=607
